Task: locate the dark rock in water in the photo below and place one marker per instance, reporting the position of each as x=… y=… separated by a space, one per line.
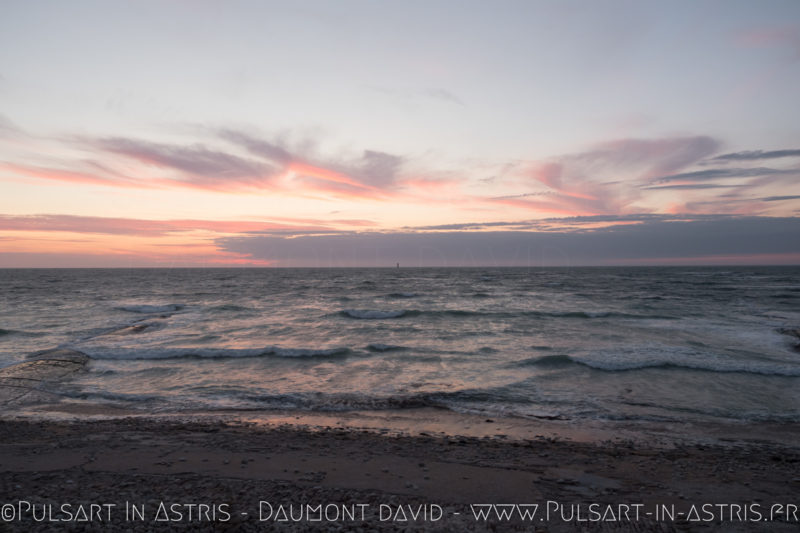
x=791 y=333
x=23 y=382
x=127 y=330
x=139 y=327
x=63 y=355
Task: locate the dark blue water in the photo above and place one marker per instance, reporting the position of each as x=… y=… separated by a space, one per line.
x=577 y=343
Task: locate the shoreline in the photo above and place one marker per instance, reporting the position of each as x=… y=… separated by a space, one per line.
x=434 y=422
x=144 y=461
x=63 y=461
x=24 y=395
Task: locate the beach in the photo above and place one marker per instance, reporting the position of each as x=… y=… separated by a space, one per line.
x=244 y=473
x=372 y=400
x=399 y=266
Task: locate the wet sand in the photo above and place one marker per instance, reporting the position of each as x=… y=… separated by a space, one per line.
x=233 y=466
x=72 y=466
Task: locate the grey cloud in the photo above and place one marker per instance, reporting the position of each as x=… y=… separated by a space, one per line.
x=750 y=155
x=689 y=186
x=373 y=168
x=638 y=217
x=779 y=198
x=525 y=195
x=7 y=127
x=583 y=178
x=259 y=147
x=569 y=224
x=652 y=241
x=473 y=225
x=656 y=155
x=196 y=159
x=443 y=94
x=376 y=168
x=720 y=173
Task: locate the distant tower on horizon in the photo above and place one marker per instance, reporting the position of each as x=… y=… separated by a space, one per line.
x=398 y=265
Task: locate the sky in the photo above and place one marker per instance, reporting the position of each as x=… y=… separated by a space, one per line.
x=427 y=133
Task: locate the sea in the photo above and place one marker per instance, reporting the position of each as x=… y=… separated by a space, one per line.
x=641 y=343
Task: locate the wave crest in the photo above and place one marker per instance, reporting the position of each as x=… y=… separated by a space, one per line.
x=682 y=361
x=379 y=347
x=151 y=309
x=218 y=353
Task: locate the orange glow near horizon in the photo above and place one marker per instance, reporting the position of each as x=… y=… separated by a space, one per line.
x=165 y=202
x=199 y=250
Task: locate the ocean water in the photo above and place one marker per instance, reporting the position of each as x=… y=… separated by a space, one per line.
x=664 y=344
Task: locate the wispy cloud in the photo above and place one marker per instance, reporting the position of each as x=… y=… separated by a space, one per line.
x=780 y=198
x=269 y=150
x=443 y=94
x=199 y=165
x=265 y=166
x=372 y=170
x=724 y=173
x=689 y=186
x=588 y=182
x=610 y=178
x=785 y=37
x=159 y=228
x=433 y=93
x=80 y=177
x=7 y=127
x=753 y=155
x=574 y=223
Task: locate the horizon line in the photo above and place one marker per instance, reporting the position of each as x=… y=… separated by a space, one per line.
x=264 y=267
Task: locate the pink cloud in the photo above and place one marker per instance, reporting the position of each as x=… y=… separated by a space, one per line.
x=787 y=36
x=144 y=227
x=129 y=259
x=69 y=176
x=607 y=178
x=549 y=207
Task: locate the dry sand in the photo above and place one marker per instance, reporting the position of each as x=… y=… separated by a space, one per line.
x=149 y=461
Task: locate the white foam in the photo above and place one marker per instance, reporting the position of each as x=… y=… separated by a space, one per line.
x=665 y=356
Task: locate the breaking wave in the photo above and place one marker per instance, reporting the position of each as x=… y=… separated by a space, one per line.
x=214 y=353
x=151 y=309
x=403 y=295
x=679 y=360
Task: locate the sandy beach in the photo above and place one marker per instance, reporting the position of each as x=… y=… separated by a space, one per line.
x=380 y=266
x=69 y=465
x=245 y=476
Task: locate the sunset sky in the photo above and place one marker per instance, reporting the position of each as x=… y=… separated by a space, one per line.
x=365 y=133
